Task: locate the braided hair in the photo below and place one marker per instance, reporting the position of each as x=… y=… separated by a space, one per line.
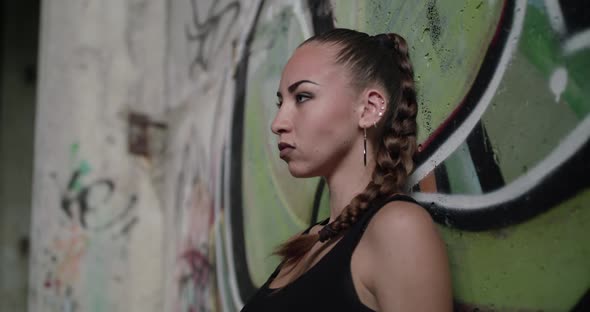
x=382 y=60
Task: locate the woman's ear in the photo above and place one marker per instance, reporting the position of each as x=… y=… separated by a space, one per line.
x=373 y=102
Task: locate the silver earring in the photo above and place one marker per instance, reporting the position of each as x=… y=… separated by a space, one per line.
x=365 y=147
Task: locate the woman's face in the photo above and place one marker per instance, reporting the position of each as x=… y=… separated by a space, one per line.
x=318 y=118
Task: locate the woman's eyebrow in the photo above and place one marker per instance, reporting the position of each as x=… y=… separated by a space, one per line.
x=294 y=86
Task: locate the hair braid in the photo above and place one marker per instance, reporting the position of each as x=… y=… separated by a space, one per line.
x=396 y=144
x=404 y=126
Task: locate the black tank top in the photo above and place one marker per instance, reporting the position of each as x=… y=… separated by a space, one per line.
x=326 y=286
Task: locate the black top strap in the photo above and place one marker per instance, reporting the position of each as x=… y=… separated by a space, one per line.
x=324 y=222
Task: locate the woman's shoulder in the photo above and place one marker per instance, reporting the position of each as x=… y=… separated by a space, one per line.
x=399 y=216
x=400 y=223
x=405 y=250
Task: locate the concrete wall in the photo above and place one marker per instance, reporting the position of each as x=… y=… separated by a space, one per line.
x=185 y=226
x=97 y=225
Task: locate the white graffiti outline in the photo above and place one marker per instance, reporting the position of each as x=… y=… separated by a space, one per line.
x=222 y=261
x=300 y=16
x=220 y=196
x=461 y=133
x=577 y=42
x=523 y=184
x=556 y=16
x=229 y=252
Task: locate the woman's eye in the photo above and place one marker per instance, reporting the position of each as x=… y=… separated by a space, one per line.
x=302 y=97
x=279 y=103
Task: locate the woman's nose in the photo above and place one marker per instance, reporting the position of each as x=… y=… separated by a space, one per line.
x=281 y=123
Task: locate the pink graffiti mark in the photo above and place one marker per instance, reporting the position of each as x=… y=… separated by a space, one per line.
x=197 y=277
x=66 y=253
x=69 y=245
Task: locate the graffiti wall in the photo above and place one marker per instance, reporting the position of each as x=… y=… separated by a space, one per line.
x=503 y=96
x=503 y=133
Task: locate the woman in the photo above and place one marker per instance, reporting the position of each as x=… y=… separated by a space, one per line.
x=347 y=113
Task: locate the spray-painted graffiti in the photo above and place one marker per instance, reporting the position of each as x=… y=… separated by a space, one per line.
x=504 y=134
x=194 y=284
x=89 y=215
x=195 y=269
x=84 y=203
x=504 y=130
x=82 y=198
x=502 y=167
x=470 y=126
x=209 y=32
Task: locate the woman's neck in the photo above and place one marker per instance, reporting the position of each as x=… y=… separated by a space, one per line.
x=345 y=183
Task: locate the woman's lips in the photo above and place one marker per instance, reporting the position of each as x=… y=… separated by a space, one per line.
x=285 y=148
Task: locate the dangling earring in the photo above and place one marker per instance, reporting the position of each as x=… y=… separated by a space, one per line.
x=365 y=147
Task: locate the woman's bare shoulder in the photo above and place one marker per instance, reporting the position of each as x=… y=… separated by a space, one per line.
x=406 y=228
x=400 y=220
x=408 y=257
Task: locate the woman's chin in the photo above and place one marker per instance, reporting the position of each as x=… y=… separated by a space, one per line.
x=301 y=171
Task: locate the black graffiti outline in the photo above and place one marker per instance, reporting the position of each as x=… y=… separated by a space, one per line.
x=200 y=31
x=322 y=20
x=72 y=196
x=542 y=197
x=495 y=216
x=246 y=286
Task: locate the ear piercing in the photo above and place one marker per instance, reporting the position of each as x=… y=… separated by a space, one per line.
x=381 y=110
x=365 y=147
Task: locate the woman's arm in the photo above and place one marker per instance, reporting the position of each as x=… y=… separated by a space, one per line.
x=411 y=270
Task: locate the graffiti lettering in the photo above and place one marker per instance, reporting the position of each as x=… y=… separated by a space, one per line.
x=88 y=199
x=210 y=34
